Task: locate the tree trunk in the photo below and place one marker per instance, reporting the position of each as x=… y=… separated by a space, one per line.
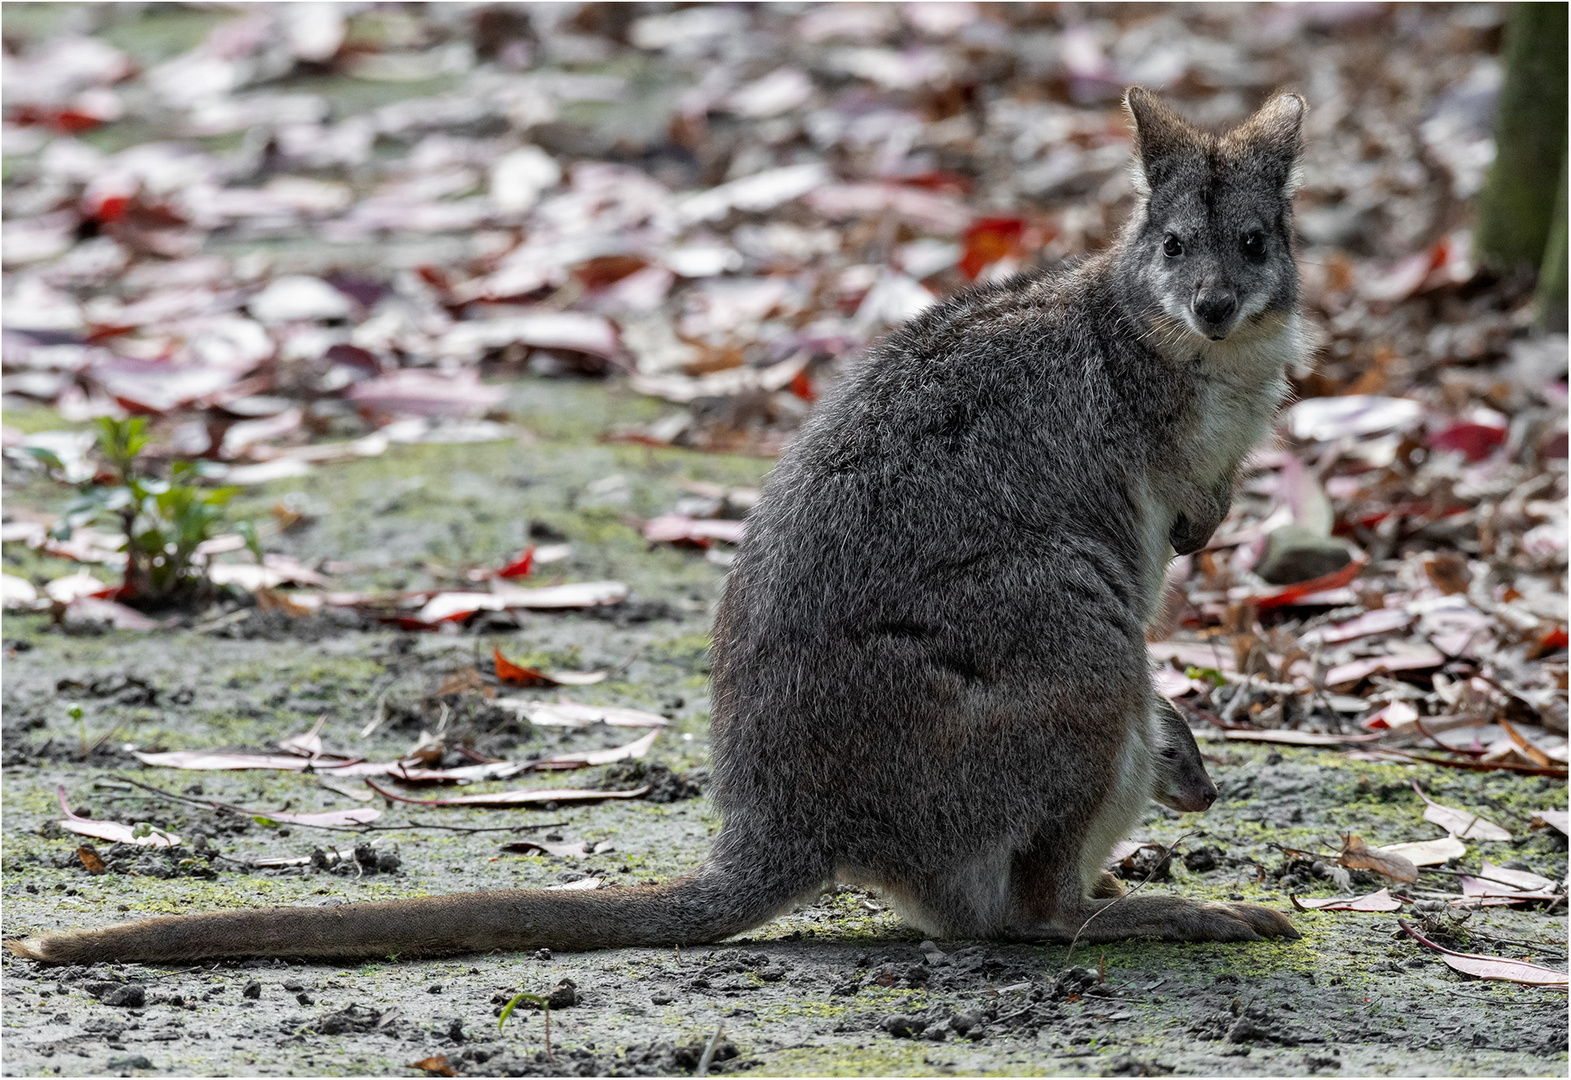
x=1552 y=275
x=1517 y=207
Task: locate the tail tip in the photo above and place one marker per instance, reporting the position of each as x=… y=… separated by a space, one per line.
x=29 y=948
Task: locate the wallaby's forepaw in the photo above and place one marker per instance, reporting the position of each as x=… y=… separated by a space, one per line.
x=1107 y=886
x=1203 y=514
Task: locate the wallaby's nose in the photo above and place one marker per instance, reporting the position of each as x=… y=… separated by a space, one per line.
x=1215 y=306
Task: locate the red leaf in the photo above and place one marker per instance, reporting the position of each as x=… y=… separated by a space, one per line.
x=988 y=240
x=510 y=672
x=802 y=387
x=111 y=208
x=1290 y=594
x=1476 y=441
x=519 y=567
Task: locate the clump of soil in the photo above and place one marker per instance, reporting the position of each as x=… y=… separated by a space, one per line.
x=665 y=786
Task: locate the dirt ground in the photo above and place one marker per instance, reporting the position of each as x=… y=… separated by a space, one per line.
x=839 y=987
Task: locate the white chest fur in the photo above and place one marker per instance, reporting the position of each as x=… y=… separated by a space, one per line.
x=1239 y=385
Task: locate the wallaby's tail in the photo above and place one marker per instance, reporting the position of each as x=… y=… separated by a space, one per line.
x=712 y=904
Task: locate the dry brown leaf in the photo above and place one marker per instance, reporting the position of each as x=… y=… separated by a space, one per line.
x=1448 y=572
x=1356 y=855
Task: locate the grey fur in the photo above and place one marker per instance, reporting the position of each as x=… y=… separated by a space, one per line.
x=929 y=672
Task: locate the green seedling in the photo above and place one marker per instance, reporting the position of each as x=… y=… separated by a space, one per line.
x=533 y=999
x=163 y=521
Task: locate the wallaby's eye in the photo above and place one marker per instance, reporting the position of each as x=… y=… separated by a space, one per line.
x=1254 y=244
x=1172 y=246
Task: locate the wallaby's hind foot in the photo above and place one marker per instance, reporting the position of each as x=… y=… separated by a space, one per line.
x=1171 y=918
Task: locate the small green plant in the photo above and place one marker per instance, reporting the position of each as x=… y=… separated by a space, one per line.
x=163 y=521
x=543 y=1003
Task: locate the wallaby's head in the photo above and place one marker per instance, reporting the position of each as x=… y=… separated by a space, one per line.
x=1182 y=782
x=1209 y=251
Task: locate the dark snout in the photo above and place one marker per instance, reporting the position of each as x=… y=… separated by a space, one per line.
x=1194 y=798
x=1214 y=308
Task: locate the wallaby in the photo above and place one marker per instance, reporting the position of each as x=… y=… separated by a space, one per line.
x=1180 y=776
x=929 y=673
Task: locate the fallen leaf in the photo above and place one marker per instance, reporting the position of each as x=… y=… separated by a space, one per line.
x=581 y=885
x=90 y=860
x=1397 y=716
x=1518 y=879
x=564 y=713
x=1477 y=892
x=518 y=798
x=307 y=743
x=509 y=672
x=1295 y=738
x=1556 y=819
x=1421 y=658
x=1460 y=823
x=1448 y=572
x=77 y=586
x=203 y=760
x=1356 y=855
x=357 y=816
x=17 y=592
x=696 y=532
x=1379 y=621
x=1325 y=419
x=436 y=1066
x=519 y=567
x=1491 y=967
x=1375 y=901
x=1533 y=753
x=445 y=607
x=1475 y=441
x=112 y=830
x=1288 y=595
x=576 y=850
x=636 y=749
x=1429 y=852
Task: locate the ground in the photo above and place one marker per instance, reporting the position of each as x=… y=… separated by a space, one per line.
x=838 y=987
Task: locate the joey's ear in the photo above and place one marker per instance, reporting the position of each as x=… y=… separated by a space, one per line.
x=1160 y=135
x=1271 y=139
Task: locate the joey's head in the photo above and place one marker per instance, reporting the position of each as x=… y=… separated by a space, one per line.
x=1208 y=254
x=1181 y=781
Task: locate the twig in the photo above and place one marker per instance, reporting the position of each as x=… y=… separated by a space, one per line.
x=709 y=1051
x=1167 y=853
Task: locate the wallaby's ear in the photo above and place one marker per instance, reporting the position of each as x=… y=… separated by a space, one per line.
x=1160 y=134
x=1272 y=137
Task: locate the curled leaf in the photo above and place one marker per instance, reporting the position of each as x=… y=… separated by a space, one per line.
x=1356 y=855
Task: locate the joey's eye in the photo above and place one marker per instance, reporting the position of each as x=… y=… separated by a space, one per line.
x=1172 y=247
x=1254 y=244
